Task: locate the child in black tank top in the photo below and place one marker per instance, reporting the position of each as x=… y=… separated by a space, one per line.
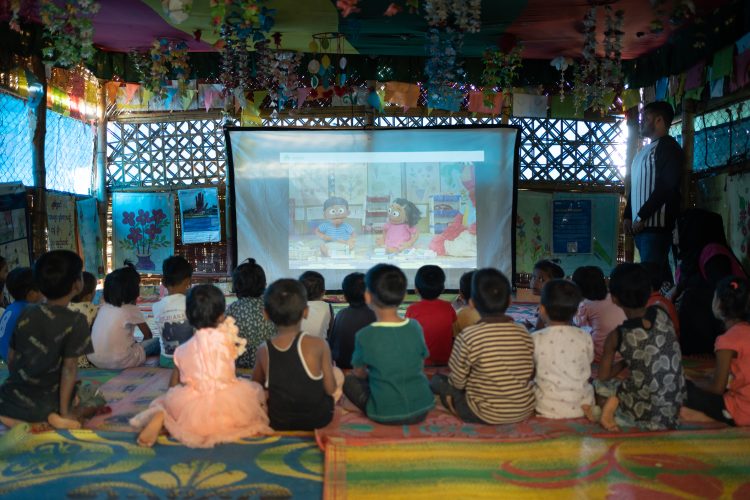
x=295 y=367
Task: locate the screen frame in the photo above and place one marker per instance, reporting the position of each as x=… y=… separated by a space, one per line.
x=232 y=239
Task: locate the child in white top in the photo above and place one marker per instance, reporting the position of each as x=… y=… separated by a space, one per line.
x=563 y=354
x=112 y=334
x=319 y=321
x=172 y=325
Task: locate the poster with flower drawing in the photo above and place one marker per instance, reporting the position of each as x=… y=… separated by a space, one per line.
x=143 y=229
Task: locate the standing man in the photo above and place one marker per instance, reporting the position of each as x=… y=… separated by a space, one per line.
x=654 y=197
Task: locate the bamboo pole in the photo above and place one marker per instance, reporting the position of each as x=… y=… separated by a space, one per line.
x=634 y=142
x=39 y=220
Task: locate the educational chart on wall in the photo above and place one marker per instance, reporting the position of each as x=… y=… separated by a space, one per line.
x=61 y=222
x=143 y=229
x=340 y=201
x=90 y=236
x=14 y=233
x=577 y=229
x=199 y=215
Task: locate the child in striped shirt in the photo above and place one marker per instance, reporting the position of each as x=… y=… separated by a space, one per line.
x=492 y=363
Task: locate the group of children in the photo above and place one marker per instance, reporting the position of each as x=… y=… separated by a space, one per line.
x=291 y=338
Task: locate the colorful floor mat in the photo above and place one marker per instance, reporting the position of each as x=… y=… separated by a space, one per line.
x=707 y=464
x=88 y=464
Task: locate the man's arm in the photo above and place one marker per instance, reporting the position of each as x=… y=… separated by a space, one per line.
x=668 y=174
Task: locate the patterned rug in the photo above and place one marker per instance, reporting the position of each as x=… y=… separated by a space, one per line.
x=707 y=464
x=93 y=464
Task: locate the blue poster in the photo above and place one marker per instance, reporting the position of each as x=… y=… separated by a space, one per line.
x=571 y=226
x=90 y=235
x=199 y=215
x=143 y=229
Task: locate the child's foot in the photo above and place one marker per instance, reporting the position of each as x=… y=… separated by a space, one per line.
x=449 y=405
x=59 y=422
x=150 y=433
x=592 y=412
x=608 y=414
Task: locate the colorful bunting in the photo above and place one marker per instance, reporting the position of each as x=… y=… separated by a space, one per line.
x=477 y=103
x=402 y=94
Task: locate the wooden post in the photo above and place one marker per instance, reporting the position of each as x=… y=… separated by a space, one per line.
x=688 y=142
x=101 y=173
x=634 y=142
x=39 y=221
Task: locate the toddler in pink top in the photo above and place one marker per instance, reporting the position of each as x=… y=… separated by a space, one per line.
x=725 y=398
x=596 y=311
x=210 y=405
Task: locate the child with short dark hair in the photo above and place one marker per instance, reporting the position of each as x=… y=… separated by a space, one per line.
x=562 y=354
x=726 y=397
x=172 y=326
x=435 y=316
x=211 y=405
x=82 y=302
x=597 y=311
x=544 y=271
x=651 y=396
x=387 y=381
x=294 y=365
x=41 y=362
x=319 y=320
x=492 y=364
x=21 y=286
x=249 y=283
x=335 y=231
x=112 y=335
x=466 y=315
x=350 y=320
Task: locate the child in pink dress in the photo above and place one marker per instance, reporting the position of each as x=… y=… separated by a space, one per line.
x=211 y=405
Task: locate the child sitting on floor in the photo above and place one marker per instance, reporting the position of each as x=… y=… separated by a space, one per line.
x=656 y=297
x=21 y=286
x=466 y=315
x=319 y=319
x=82 y=302
x=350 y=320
x=726 y=397
x=211 y=405
x=597 y=310
x=172 y=326
x=294 y=366
x=112 y=335
x=544 y=271
x=249 y=282
x=41 y=362
x=562 y=354
x=492 y=364
x=387 y=381
x=651 y=396
x=435 y=316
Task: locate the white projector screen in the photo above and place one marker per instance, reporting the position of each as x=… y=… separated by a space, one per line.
x=339 y=201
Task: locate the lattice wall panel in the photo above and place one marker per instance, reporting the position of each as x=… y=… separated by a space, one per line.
x=181 y=153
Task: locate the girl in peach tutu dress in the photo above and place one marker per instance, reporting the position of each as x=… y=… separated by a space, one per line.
x=211 y=405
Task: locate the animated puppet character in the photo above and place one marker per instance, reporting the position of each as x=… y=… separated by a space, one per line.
x=400 y=232
x=335 y=229
x=460 y=238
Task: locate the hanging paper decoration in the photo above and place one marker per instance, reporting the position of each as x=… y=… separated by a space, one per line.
x=169 y=60
x=561 y=64
x=177 y=10
x=285 y=81
x=68 y=31
x=500 y=72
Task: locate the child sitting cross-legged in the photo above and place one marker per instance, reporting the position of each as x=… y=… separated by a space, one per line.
x=172 y=326
x=387 y=381
x=562 y=354
x=492 y=364
x=544 y=271
x=44 y=350
x=210 y=405
x=21 y=286
x=466 y=315
x=726 y=397
x=295 y=366
x=112 y=335
x=350 y=320
x=435 y=316
x=319 y=318
x=651 y=396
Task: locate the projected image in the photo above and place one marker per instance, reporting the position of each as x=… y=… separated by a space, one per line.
x=413 y=212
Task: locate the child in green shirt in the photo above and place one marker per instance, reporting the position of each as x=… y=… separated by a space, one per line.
x=387 y=381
